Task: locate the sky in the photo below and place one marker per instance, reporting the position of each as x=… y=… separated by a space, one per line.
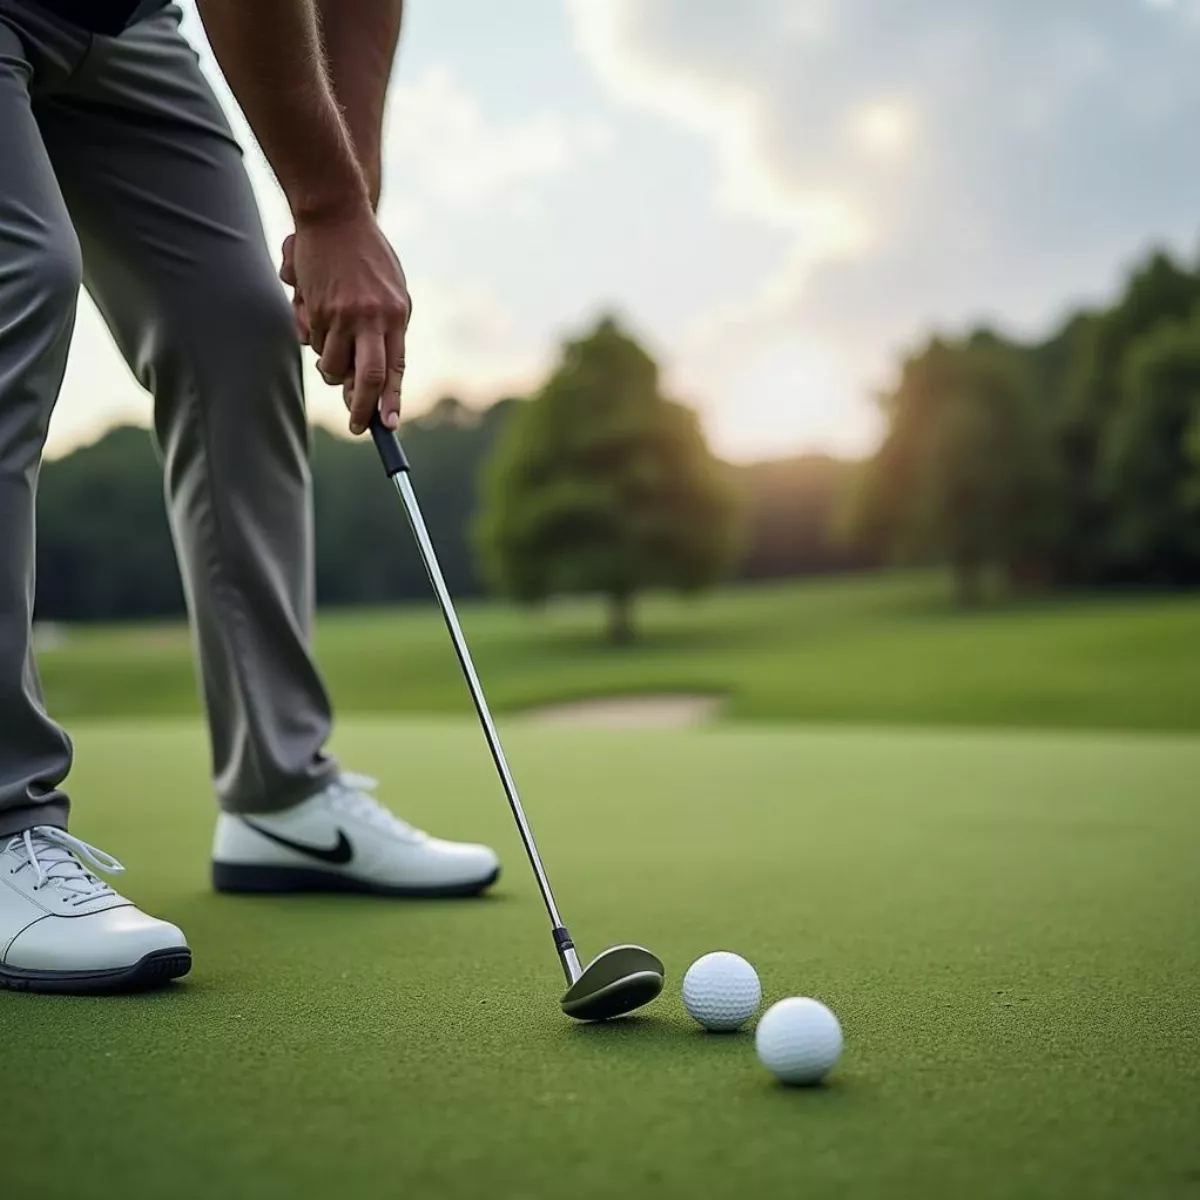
x=779 y=197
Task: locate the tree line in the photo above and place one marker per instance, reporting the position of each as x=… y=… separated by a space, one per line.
x=1068 y=462
x=105 y=550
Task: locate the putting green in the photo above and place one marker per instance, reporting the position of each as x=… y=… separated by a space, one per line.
x=1006 y=924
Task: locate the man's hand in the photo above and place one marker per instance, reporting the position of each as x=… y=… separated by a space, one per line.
x=352 y=306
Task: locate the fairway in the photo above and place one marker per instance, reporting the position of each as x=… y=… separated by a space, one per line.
x=883 y=650
x=1005 y=923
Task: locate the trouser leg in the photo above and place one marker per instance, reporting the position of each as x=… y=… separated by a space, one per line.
x=39 y=286
x=175 y=258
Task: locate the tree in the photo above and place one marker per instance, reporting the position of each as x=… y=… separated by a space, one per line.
x=602 y=485
x=1191 y=449
x=1151 y=458
x=1159 y=292
x=964 y=473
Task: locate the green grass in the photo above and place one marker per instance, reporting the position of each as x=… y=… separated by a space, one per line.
x=1006 y=924
x=875 y=651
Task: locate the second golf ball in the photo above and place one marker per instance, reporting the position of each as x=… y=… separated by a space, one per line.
x=721 y=991
x=799 y=1040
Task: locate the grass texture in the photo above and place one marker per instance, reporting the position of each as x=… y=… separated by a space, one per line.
x=1005 y=923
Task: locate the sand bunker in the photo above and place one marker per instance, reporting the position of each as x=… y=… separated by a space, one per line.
x=630 y=712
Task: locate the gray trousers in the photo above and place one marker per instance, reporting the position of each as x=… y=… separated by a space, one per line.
x=118 y=170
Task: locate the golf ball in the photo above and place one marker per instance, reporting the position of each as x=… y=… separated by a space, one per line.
x=721 y=990
x=799 y=1040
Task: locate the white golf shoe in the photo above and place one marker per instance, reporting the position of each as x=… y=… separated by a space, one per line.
x=64 y=930
x=343 y=840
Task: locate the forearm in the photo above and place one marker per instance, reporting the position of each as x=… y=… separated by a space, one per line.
x=270 y=52
x=360 y=39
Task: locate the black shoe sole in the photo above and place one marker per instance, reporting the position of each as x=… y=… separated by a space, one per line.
x=154 y=971
x=248 y=880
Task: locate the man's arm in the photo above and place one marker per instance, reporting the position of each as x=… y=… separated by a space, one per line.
x=270 y=52
x=360 y=39
x=353 y=288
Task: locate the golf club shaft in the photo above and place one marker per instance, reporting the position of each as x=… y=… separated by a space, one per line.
x=396 y=465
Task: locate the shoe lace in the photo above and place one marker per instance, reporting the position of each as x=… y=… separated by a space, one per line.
x=351 y=795
x=58 y=860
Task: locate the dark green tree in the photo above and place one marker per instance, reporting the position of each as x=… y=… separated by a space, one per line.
x=602 y=485
x=1158 y=292
x=964 y=474
x=1151 y=458
x=1191 y=448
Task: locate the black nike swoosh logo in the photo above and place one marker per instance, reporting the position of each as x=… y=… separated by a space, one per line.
x=338 y=855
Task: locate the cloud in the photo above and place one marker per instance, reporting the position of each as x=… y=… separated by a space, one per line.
x=441 y=141
x=920 y=162
x=799 y=98
x=444 y=150
x=638 y=52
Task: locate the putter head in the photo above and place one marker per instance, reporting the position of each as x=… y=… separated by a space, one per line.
x=614 y=983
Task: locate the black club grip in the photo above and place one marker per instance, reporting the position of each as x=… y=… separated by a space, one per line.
x=390 y=451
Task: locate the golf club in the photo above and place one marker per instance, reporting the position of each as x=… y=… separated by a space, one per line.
x=618 y=980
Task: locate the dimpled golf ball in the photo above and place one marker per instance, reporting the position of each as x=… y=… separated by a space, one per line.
x=799 y=1040
x=721 y=990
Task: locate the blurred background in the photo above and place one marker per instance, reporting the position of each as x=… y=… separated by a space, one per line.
x=822 y=360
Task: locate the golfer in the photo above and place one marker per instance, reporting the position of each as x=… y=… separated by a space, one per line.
x=119 y=171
